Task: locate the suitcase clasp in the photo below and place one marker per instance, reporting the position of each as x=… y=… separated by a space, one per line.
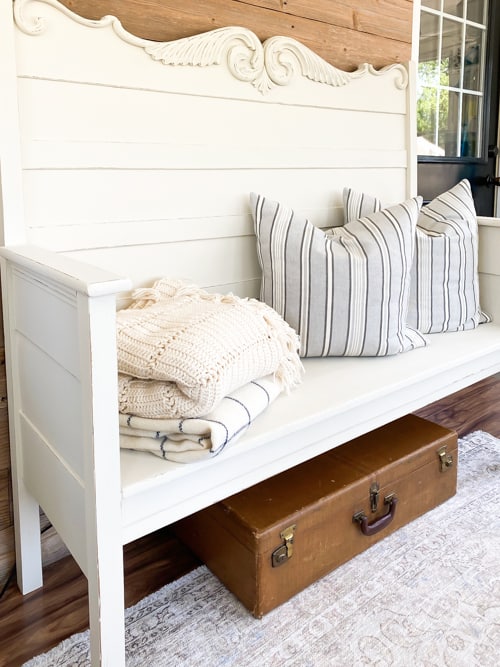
x=374 y=494
x=285 y=551
x=446 y=460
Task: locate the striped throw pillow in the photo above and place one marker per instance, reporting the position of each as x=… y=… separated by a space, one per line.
x=358 y=204
x=444 y=293
x=345 y=294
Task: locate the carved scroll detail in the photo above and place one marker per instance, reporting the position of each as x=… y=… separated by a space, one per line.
x=401 y=81
x=265 y=65
x=240 y=49
x=286 y=57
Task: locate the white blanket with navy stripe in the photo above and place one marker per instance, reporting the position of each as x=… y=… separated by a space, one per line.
x=186 y=440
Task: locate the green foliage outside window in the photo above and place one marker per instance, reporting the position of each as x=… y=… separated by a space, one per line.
x=429 y=98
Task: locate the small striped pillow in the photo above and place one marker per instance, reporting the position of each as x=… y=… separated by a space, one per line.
x=345 y=294
x=444 y=293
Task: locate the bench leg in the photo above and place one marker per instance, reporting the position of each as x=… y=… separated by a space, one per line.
x=107 y=613
x=27 y=538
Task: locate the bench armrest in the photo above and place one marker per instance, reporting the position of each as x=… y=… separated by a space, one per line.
x=71 y=273
x=489 y=265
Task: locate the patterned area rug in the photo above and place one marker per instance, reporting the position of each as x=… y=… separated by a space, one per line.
x=426 y=596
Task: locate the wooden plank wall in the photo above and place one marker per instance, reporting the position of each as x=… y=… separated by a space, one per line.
x=344 y=32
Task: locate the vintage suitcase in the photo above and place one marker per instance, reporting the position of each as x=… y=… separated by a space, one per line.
x=272 y=540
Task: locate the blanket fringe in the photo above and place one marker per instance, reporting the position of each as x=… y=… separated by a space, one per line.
x=169 y=288
x=290 y=370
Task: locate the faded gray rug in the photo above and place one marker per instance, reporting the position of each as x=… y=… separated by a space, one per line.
x=426 y=596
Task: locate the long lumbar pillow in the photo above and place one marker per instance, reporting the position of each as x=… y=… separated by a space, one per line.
x=444 y=292
x=346 y=294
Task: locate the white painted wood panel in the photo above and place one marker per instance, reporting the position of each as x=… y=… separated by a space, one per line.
x=81 y=154
x=46 y=386
x=122 y=155
x=37 y=306
x=489 y=266
x=60 y=493
x=98 y=196
x=204 y=262
x=88 y=113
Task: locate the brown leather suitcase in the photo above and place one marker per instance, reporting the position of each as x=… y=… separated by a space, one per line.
x=272 y=540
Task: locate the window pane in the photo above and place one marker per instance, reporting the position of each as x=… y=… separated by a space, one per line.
x=449 y=101
x=427 y=122
x=476 y=11
x=472 y=60
x=433 y=4
x=428 y=68
x=454 y=7
x=451 y=53
x=470 y=125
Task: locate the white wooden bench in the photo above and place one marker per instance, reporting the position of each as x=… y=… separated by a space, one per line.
x=130 y=169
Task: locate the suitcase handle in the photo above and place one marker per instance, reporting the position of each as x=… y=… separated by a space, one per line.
x=380 y=523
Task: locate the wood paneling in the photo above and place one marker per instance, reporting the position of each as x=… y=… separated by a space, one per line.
x=345 y=33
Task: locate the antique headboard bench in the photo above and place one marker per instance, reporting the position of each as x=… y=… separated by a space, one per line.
x=136 y=161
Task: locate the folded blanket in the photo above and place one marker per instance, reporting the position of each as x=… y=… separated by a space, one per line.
x=182 y=349
x=190 y=439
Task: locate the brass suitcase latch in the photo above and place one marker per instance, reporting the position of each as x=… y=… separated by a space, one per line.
x=374 y=496
x=445 y=460
x=285 y=551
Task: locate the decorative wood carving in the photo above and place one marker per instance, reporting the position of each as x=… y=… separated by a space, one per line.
x=275 y=62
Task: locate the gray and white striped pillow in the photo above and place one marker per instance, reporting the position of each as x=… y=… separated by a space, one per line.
x=358 y=204
x=345 y=294
x=444 y=293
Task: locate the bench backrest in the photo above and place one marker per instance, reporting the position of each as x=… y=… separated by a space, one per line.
x=140 y=156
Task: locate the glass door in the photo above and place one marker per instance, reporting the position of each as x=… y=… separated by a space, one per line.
x=457 y=97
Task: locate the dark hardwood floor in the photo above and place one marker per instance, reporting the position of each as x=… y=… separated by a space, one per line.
x=34 y=623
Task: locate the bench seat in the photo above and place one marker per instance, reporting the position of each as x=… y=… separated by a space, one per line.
x=338 y=400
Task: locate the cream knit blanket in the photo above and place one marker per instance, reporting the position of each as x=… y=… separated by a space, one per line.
x=182 y=349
